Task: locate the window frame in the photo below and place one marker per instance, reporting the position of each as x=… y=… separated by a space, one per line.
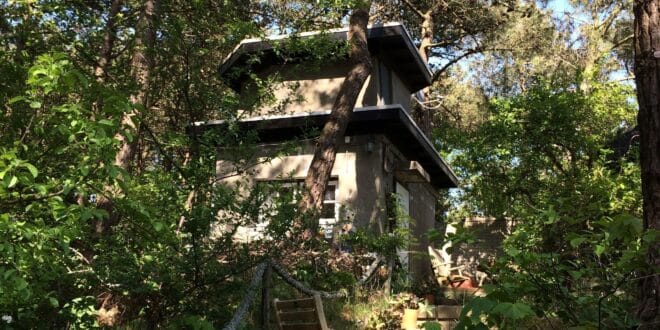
x=327 y=224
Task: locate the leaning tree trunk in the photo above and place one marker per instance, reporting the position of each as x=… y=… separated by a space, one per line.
x=141 y=63
x=647 y=79
x=334 y=129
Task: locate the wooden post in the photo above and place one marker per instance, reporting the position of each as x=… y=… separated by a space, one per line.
x=387 y=286
x=265 y=296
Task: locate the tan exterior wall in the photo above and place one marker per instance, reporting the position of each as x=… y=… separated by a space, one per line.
x=358 y=170
x=400 y=93
x=364 y=182
x=422 y=210
x=304 y=90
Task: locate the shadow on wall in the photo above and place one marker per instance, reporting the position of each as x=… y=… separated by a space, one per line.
x=489 y=234
x=305 y=88
x=371 y=185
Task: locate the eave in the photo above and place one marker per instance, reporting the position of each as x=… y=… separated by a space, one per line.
x=390 y=41
x=392 y=121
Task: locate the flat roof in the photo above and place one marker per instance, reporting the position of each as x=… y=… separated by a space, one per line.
x=389 y=41
x=392 y=121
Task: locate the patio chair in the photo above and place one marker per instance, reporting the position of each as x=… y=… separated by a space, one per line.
x=444 y=272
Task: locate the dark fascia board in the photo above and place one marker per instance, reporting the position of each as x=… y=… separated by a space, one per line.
x=392 y=121
x=379 y=36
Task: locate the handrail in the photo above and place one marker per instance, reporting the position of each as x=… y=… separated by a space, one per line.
x=302 y=288
x=245 y=304
x=247 y=300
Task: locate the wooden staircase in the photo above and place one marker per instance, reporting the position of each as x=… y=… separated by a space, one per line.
x=300 y=314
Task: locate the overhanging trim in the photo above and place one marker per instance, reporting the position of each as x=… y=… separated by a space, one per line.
x=392 y=121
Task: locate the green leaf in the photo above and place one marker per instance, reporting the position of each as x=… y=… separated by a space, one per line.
x=8 y=273
x=53 y=302
x=15 y=99
x=575 y=274
x=106 y=122
x=599 y=250
x=512 y=251
x=35 y=104
x=551 y=216
x=33 y=170
x=515 y=311
x=158 y=225
x=577 y=241
x=12 y=181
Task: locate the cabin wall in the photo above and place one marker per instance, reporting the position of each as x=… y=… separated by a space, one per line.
x=423 y=198
x=422 y=210
x=302 y=88
x=358 y=169
x=365 y=173
x=400 y=92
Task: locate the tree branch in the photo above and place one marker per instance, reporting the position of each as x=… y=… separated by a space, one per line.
x=469 y=52
x=444 y=68
x=413 y=8
x=621 y=42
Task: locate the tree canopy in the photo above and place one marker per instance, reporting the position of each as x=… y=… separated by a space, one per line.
x=112 y=212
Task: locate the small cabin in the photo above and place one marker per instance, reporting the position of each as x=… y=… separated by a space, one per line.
x=383 y=153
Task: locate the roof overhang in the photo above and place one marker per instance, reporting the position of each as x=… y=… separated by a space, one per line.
x=390 y=41
x=392 y=121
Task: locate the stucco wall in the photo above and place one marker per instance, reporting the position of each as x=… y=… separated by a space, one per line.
x=400 y=93
x=304 y=89
x=313 y=89
x=360 y=189
x=422 y=210
x=364 y=182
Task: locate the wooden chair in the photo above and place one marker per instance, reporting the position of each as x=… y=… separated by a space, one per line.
x=300 y=314
x=441 y=262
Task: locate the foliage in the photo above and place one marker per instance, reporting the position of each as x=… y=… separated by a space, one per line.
x=538 y=156
x=541 y=162
x=385 y=319
x=426 y=286
x=165 y=263
x=390 y=317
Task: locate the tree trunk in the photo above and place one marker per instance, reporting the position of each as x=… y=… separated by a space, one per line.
x=141 y=63
x=424 y=114
x=109 y=38
x=334 y=129
x=427 y=35
x=647 y=79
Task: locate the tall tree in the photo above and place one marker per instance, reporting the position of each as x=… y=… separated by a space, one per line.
x=141 y=64
x=333 y=131
x=109 y=38
x=647 y=80
x=449 y=32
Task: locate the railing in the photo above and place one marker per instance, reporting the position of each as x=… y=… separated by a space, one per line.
x=261 y=279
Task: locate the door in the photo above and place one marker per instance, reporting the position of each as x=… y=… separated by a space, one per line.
x=403 y=199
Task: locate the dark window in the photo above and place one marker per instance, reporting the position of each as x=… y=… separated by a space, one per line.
x=385 y=82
